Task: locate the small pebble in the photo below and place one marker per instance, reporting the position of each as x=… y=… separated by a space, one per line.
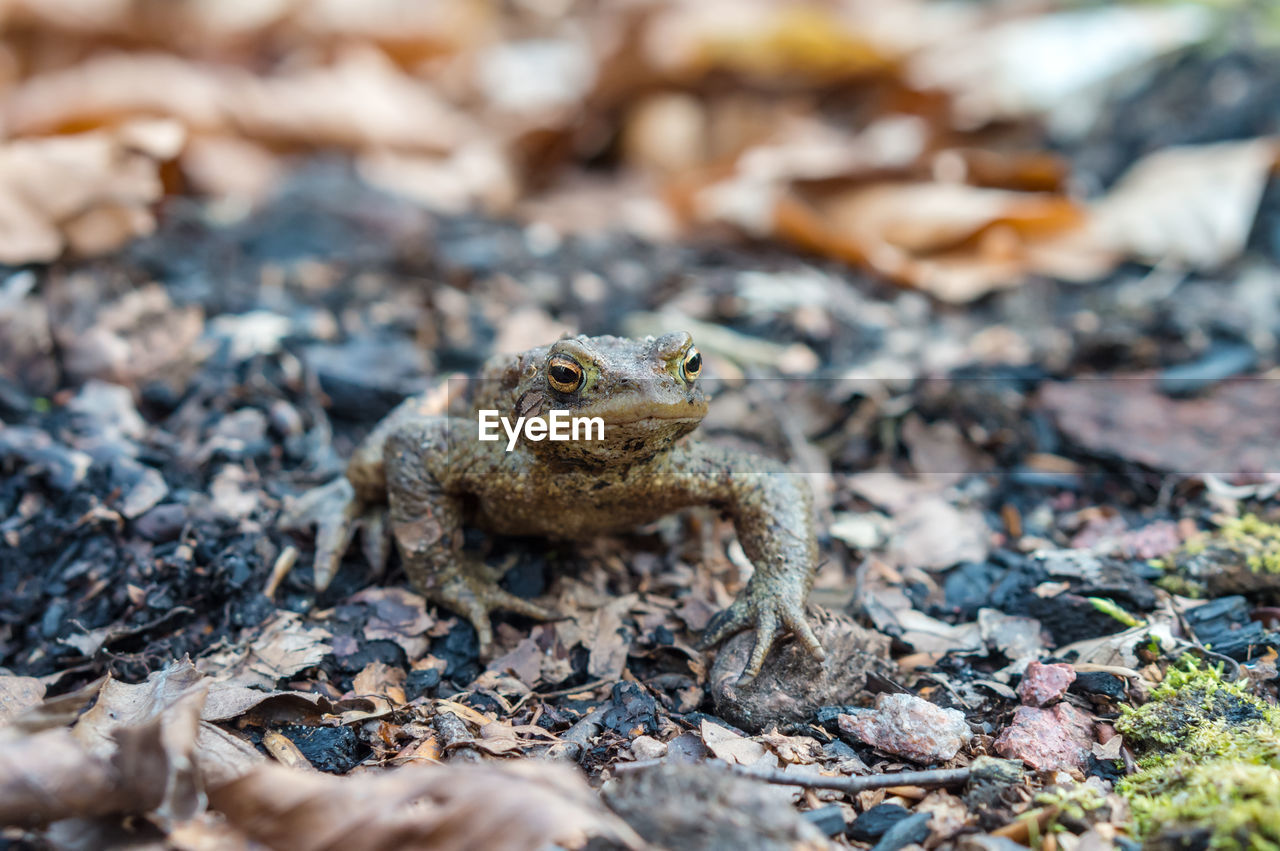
x=1048 y=739
x=912 y=830
x=162 y=523
x=875 y=822
x=647 y=747
x=1044 y=684
x=909 y=726
x=829 y=820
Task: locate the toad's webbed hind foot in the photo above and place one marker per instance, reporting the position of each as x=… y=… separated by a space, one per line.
x=471 y=590
x=336 y=513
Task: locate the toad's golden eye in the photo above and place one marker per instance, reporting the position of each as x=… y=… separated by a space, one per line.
x=564 y=374
x=692 y=365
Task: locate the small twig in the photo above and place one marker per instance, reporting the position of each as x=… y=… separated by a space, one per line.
x=284 y=563
x=591 y=686
x=854 y=785
x=849 y=785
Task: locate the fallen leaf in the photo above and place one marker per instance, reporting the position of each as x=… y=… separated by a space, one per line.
x=1227 y=431
x=17 y=695
x=88 y=193
x=284 y=751
x=608 y=640
x=797 y=750
x=285 y=646
x=378 y=678
x=507 y=807
x=149 y=732
x=1192 y=206
x=360 y=101
x=729 y=746
x=1034 y=63
x=954 y=241
x=51 y=776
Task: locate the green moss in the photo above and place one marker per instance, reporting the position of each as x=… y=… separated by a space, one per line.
x=1256 y=541
x=1074 y=803
x=1244 y=545
x=1233 y=802
x=1210 y=761
x=1176 y=583
x=1185 y=710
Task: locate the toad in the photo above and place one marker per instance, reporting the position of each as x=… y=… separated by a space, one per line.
x=425 y=476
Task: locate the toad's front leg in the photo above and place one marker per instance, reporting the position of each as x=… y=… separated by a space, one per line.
x=772 y=511
x=425 y=482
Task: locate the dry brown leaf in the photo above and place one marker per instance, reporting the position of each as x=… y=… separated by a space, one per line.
x=526 y=804
x=285 y=646
x=284 y=751
x=438 y=27
x=398 y=615
x=121 y=705
x=466 y=713
x=1034 y=63
x=88 y=193
x=729 y=746
x=378 y=678
x=502 y=739
x=211 y=18
x=765 y=40
x=17 y=695
x=1229 y=430
x=798 y=750
x=223 y=756
x=608 y=640
x=361 y=101
x=524 y=661
x=128 y=722
x=954 y=241
x=132 y=752
x=1188 y=206
x=417 y=30
x=51 y=776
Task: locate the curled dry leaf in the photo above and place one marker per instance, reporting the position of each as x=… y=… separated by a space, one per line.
x=128 y=723
x=954 y=241
x=88 y=192
x=1034 y=63
x=285 y=646
x=52 y=776
x=17 y=695
x=731 y=747
x=846 y=198
x=360 y=101
x=414 y=28
x=132 y=752
x=525 y=804
x=768 y=40
x=1192 y=206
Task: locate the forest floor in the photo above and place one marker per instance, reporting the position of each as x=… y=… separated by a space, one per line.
x=1046 y=491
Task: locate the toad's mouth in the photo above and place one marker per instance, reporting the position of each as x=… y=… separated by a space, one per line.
x=653 y=418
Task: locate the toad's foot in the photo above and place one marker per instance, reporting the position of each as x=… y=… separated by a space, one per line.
x=472 y=591
x=336 y=513
x=766 y=610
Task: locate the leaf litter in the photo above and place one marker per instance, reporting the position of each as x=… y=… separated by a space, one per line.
x=246 y=231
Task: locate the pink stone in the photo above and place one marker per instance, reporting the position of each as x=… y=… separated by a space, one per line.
x=1045 y=684
x=1048 y=739
x=909 y=726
